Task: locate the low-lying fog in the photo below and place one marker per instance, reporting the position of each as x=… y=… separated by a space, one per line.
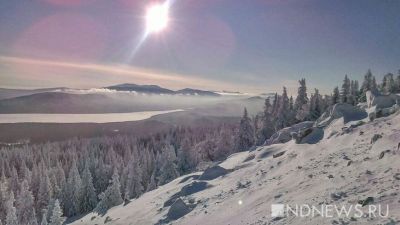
x=103 y=107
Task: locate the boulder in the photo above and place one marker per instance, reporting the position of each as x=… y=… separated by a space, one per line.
x=249 y=158
x=265 y=153
x=337 y=196
x=366 y=201
x=382 y=154
x=382 y=105
x=381 y=101
x=341 y=110
x=287 y=134
x=178 y=209
x=310 y=136
x=172 y=199
x=376 y=112
x=278 y=154
x=213 y=173
x=194 y=177
x=186 y=190
x=375 y=138
x=193 y=188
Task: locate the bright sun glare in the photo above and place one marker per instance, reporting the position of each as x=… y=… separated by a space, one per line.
x=157 y=18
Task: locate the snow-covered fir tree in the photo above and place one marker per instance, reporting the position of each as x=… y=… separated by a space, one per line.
x=275 y=105
x=335 y=96
x=388 y=84
x=224 y=144
x=11 y=218
x=354 y=92
x=345 y=91
x=301 y=104
x=152 y=182
x=26 y=205
x=57 y=215
x=14 y=181
x=3 y=198
x=44 y=218
x=59 y=181
x=374 y=85
x=369 y=84
x=315 y=105
x=302 y=97
x=73 y=191
x=50 y=208
x=44 y=194
x=245 y=138
x=184 y=162
x=291 y=103
x=133 y=179
x=111 y=197
x=283 y=113
x=398 y=83
x=88 y=195
x=168 y=167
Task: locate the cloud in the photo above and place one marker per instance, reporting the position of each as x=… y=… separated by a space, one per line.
x=87 y=74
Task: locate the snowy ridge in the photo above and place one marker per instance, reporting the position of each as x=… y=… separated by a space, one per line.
x=344 y=168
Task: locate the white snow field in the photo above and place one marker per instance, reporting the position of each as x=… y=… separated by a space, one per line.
x=342 y=169
x=80 y=118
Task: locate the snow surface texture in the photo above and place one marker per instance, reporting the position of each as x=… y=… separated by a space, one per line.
x=344 y=168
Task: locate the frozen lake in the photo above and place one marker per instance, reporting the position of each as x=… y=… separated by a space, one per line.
x=80 y=118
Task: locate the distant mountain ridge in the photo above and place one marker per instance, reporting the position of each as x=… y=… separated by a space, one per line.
x=57 y=102
x=67 y=100
x=189 y=91
x=155 y=89
x=6 y=93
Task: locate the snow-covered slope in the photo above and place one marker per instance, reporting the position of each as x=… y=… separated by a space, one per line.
x=343 y=169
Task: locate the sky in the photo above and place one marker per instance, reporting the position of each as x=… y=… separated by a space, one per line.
x=249 y=46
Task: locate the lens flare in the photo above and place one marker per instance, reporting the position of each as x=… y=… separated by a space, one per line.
x=157 y=18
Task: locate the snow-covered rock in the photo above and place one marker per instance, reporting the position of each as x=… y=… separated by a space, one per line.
x=310 y=136
x=178 y=209
x=213 y=173
x=286 y=134
x=381 y=101
x=341 y=110
x=381 y=105
x=194 y=188
x=312 y=132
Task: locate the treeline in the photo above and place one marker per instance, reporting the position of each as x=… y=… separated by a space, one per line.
x=43 y=184
x=282 y=111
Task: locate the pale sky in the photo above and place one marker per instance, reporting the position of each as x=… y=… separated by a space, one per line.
x=249 y=46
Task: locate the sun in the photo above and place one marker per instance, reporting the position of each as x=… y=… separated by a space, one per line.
x=157 y=17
